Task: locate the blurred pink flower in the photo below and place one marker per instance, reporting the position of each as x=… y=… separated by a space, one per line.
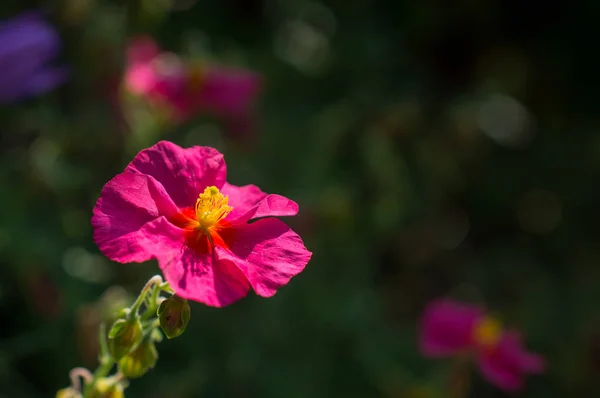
x=450 y=328
x=174 y=205
x=187 y=88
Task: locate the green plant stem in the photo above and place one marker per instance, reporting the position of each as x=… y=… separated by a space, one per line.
x=459 y=382
x=155 y=280
x=154 y=287
x=106 y=362
x=103 y=369
x=151 y=310
x=104 y=353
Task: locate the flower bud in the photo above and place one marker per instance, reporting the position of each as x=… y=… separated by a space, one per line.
x=156 y=335
x=124 y=336
x=68 y=393
x=107 y=388
x=140 y=360
x=174 y=315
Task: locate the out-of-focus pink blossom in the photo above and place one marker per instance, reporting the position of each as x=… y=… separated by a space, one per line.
x=185 y=89
x=451 y=328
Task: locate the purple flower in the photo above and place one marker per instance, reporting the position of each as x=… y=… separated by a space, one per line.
x=27 y=46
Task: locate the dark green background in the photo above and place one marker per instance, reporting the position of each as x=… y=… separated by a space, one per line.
x=368 y=120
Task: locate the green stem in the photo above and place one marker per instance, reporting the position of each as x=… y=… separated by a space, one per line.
x=155 y=280
x=104 y=353
x=106 y=362
x=460 y=377
x=103 y=369
x=155 y=323
x=151 y=310
x=165 y=287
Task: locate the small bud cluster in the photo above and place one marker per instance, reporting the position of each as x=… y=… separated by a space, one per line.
x=130 y=342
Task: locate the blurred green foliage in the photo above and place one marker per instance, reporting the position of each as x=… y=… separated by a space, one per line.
x=435 y=148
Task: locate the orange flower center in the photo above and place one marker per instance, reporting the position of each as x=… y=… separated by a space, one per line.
x=487 y=332
x=204 y=223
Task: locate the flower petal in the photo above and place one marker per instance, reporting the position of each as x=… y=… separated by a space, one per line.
x=27 y=38
x=505 y=365
x=250 y=202
x=203 y=278
x=446 y=327
x=511 y=350
x=126 y=204
x=28 y=44
x=140 y=79
x=227 y=91
x=142 y=49
x=45 y=80
x=267 y=251
x=242 y=198
x=184 y=172
x=507 y=378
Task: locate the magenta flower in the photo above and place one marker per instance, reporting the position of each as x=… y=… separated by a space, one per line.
x=186 y=89
x=451 y=328
x=174 y=205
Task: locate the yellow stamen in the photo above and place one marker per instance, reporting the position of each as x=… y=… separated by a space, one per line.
x=487 y=332
x=211 y=207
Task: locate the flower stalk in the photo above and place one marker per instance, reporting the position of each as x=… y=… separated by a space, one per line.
x=129 y=345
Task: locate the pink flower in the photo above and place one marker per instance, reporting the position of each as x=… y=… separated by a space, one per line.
x=174 y=205
x=450 y=328
x=187 y=89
